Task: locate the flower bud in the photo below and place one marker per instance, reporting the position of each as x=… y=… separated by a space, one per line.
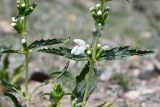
x=13 y=24
x=99 y=24
x=89 y=52
x=23 y=41
x=91 y=9
x=57 y=91
x=23 y=5
x=99 y=13
x=30 y=50
x=98 y=45
x=13 y=19
x=22 y=18
x=105 y=15
x=87 y=46
x=98 y=5
x=18 y=2
x=31 y=8
x=107 y=8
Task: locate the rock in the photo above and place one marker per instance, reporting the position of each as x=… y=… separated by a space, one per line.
x=132 y=95
x=136 y=72
x=157 y=55
x=105 y=76
x=147 y=71
x=134 y=62
x=147 y=91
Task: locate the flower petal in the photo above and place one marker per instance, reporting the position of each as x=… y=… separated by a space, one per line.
x=77 y=50
x=80 y=42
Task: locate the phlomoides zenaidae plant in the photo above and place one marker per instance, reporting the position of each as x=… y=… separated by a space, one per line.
x=91 y=53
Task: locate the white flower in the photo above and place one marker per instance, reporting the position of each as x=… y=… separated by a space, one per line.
x=79 y=49
x=99 y=12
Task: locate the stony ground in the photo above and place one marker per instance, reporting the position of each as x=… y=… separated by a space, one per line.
x=132 y=82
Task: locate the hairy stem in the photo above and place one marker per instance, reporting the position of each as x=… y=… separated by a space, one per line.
x=27 y=2
x=58 y=104
x=26 y=57
x=26 y=78
x=92 y=63
x=88 y=81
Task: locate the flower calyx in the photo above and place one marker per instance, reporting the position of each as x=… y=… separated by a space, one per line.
x=17 y=24
x=57 y=91
x=25 y=9
x=99 y=15
x=24 y=48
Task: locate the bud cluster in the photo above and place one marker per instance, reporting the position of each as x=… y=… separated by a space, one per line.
x=99 y=14
x=99 y=50
x=17 y=24
x=25 y=9
x=57 y=91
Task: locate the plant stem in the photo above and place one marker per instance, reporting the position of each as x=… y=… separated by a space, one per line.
x=88 y=81
x=27 y=2
x=92 y=63
x=58 y=104
x=26 y=58
x=26 y=76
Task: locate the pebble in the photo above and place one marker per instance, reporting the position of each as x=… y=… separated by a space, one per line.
x=132 y=95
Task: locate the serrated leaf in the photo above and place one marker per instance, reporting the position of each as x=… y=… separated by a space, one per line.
x=17 y=73
x=121 y=52
x=52 y=79
x=81 y=83
x=6 y=62
x=42 y=42
x=3 y=72
x=14 y=99
x=62 y=51
x=67 y=78
x=8 y=86
x=4 y=50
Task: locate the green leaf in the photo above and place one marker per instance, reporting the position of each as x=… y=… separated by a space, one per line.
x=6 y=62
x=4 y=50
x=8 y=86
x=121 y=52
x=67 y=78
x=3 y=72
x=52 y=79
x=17 y=73
x=40 y=43
x=81 y=83
x=14 y=99
x=62 y=51
x=105 y=104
